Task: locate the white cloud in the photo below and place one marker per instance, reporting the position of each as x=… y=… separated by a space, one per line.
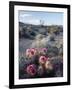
x=33 y=21
x=28 y=18
x=25 y=15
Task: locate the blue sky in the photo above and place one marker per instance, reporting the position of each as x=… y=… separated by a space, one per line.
x=49 y=18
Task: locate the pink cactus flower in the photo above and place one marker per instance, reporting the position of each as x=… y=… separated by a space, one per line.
x=31 y=52
x=44 y=51
x=28 y=52
x=42 y=59
x=31 y=70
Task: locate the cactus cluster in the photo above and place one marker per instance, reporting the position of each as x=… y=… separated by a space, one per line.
x=37 y=64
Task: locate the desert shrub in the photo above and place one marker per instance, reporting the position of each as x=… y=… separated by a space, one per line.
x=33 y=33
x=52 y=39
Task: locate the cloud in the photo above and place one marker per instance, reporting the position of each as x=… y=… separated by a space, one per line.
x=33 y=21
x=28 y=18
x=25 y=15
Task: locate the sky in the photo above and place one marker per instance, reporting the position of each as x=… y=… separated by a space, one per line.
x=34 y=17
